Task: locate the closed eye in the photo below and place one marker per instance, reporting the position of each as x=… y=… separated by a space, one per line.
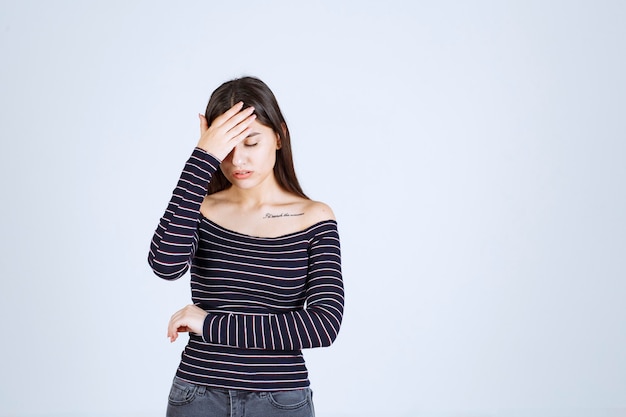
x=250 y=140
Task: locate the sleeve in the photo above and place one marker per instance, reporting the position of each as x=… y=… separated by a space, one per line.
x=176 y=237
x=317 y=325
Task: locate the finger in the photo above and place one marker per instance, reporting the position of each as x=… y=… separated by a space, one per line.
x=237 y=139
x=173 y=335
x=241 y=117
x=242 y=129
x=173 y=325
x=222 y=118
x=204 y=125
x=170 y=335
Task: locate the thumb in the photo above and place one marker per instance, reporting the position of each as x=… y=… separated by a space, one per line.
x=204 y=125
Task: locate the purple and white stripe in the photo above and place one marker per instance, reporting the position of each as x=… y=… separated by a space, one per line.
x=267 y=298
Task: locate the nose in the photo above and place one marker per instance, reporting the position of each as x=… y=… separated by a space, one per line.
x=239 y=157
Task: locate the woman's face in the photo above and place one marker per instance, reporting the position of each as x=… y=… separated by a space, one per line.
x=252 y=161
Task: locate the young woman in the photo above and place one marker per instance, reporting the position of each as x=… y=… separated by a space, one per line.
x=264 y=259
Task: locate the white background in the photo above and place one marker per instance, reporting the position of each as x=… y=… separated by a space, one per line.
x=474 y=154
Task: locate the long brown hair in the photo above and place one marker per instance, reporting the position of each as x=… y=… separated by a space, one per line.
x=254 y=92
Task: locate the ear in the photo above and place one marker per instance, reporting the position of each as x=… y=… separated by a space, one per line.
x=278 y=141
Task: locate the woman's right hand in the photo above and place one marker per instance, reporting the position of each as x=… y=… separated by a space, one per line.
x=226 y=131
x=187 y=319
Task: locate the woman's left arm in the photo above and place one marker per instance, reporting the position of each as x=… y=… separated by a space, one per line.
x=316 y=325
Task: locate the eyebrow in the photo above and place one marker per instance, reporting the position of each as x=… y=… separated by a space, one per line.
x=252 y=134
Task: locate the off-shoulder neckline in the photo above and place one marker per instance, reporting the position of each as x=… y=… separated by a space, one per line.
x=283 y=236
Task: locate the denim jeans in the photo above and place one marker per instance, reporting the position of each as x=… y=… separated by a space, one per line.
x=190 y=400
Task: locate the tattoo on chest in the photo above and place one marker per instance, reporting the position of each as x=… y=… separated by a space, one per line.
x=274 y=216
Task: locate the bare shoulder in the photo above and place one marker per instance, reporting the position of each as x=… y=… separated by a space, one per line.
x=316 y=212
x=213 y=202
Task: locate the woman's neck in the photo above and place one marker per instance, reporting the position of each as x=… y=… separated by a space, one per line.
x=267 y=193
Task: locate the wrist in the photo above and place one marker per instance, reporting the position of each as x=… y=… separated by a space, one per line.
x=208 y=154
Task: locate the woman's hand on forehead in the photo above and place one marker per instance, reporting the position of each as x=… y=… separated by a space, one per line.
x=226 y=131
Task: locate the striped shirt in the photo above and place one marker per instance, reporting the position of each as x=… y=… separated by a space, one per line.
x=267 y=297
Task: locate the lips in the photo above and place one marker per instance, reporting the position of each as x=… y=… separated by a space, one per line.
x=241 y=174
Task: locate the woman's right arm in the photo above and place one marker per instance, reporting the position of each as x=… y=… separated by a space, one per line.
x=175 y=239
